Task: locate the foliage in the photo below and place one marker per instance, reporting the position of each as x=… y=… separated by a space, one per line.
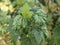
x=31 y=28
x=29 y=22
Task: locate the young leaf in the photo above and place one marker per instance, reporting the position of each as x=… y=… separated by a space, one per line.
x=26 y=11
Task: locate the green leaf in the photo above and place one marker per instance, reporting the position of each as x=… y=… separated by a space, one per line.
x=26 y=11
x=24 y=23
x=26 y=41
x=56 y=32
x=39 y=36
